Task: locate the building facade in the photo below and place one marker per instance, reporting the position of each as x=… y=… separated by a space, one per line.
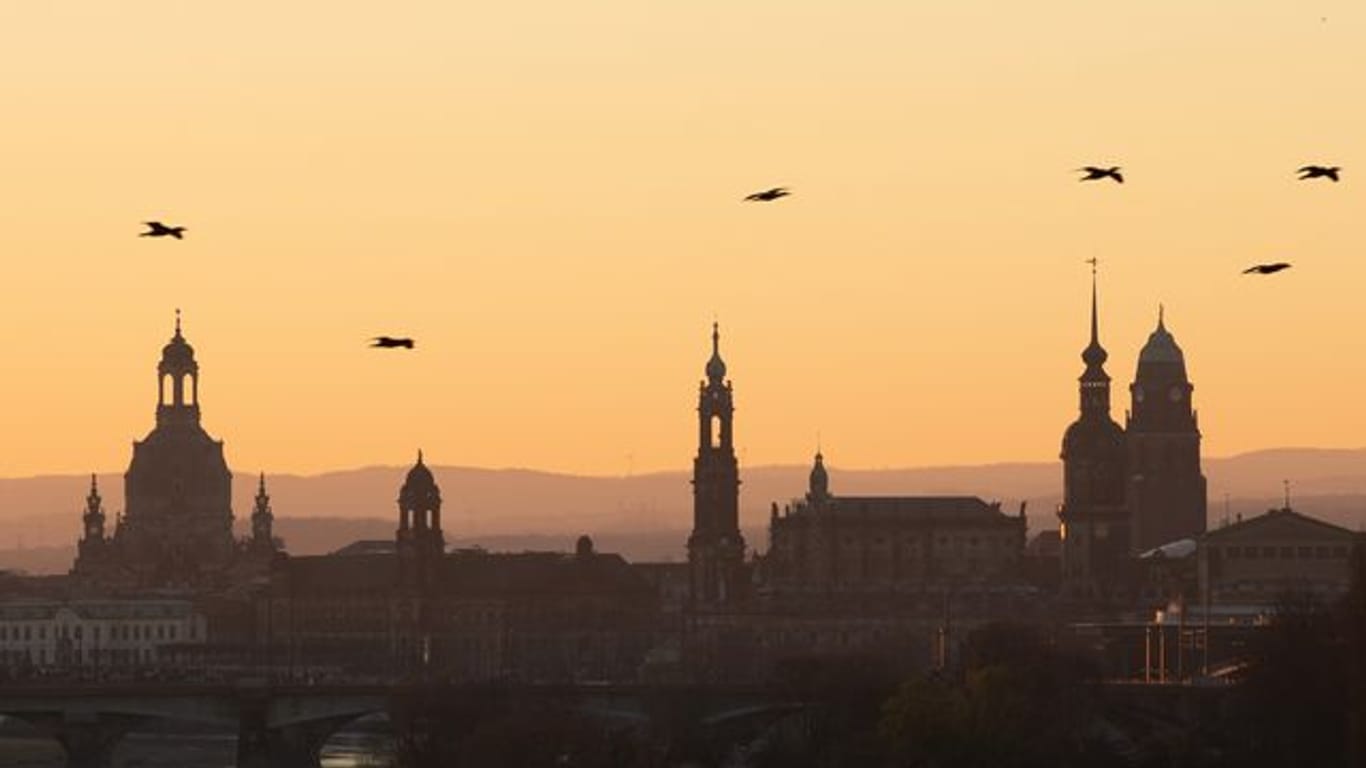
x=883 y=545
x=1262 y=560
x=110 y=635
x=469 y=615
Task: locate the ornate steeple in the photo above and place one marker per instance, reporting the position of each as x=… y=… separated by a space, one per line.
x=262 y=518
x=716 y=547
x=93 y=519
x=1095 y=382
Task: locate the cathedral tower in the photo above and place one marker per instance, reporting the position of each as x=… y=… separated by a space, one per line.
x=1095 y=529
x=1166 y=489
x=716 y=550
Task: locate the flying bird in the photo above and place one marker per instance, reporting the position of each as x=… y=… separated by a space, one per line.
x=1093 y=173
x=1319 y=171
x=1267 y=269
x=157 y=229
x=388 y=342
x=768 y=195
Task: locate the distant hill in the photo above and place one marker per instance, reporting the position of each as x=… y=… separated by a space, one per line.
x=643 y=516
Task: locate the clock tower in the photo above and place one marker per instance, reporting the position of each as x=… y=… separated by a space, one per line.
x=1166 y=489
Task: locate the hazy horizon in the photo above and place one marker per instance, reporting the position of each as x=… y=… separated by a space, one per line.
x=832 y=465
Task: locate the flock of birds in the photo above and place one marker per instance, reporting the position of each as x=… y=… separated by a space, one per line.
x=1306 y=172
x=1091 y=173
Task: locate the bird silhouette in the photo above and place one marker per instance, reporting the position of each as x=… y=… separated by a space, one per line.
x=388 y=342
x=157 y=229
x=768 y=195
x=1266 y=269
x=1093 y=173
x=1319 y=171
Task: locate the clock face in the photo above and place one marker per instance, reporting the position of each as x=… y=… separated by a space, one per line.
x=1176 y=394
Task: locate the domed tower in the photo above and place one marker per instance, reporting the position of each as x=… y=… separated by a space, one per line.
x=178 y=491
x=419 y=536
x=716 y=550
x=1166 y=489
x=1095 y=534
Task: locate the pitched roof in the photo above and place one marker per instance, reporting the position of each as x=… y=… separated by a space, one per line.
x=1280 y=523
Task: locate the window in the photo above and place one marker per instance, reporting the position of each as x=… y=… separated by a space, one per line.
x=1268 y=551
x=1287 y=552
x=1235 y=552
x=1305 y=552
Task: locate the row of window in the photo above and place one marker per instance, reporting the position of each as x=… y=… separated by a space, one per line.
x=913 y=544
x=1319 y=552
x=114 y=632
x=43 y=657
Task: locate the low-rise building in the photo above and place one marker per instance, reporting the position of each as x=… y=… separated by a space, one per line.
x=825 y=544
x=109 y=634
x=1259 y=560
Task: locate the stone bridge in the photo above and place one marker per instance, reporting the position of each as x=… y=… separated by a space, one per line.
x=286 y=725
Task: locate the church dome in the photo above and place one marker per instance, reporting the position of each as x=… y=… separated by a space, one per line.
x=716 y=368
x=177 y=354
x=1094 y=355
x=1161 y=347
x=419 y=489
x=1090 y=435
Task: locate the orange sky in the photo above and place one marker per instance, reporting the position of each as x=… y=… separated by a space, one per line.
x=545 y=195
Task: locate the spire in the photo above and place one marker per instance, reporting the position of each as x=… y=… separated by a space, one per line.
x=177 y=322
x=1160 y=312
x=1095 y=324
x=93 y=502
x=262 y=519
x=1094 y=355
x=93 y=518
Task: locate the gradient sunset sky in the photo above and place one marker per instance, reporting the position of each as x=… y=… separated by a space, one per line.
x=545 y=194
